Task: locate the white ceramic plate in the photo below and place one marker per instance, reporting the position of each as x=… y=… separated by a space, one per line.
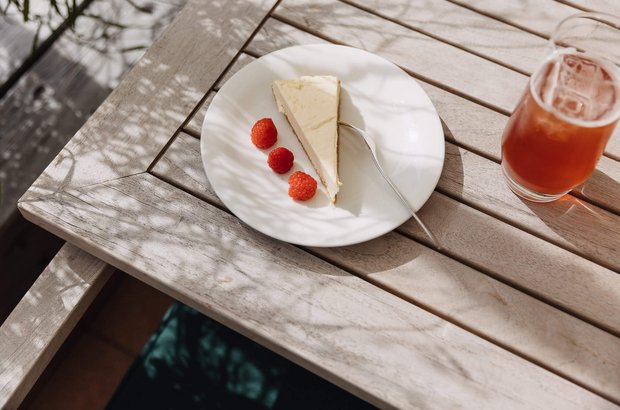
x=376 y=96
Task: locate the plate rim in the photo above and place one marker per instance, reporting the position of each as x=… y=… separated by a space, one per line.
x=321 y=243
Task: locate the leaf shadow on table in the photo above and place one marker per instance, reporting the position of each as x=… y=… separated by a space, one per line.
x=140 y=115
x=603 y=185
x=566 y=218
x=496 y=281
x=142 y=112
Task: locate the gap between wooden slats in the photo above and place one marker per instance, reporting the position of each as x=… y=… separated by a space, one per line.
x=535 y=16
x=436 y=62
x=233 y=66
x=463 y=28
x=491 y=309
x=606 y=6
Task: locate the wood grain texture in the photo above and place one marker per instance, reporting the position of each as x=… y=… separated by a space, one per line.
x=575 y=225
x=487 y=37
x=136 y=121
x=194 y=125
x=603 y=187
x=296 y=304
x=606 y=6
x=181 y=165
x=431 y=60
x=241 y=61
x=551 y=273
x=537 y=16
x=541 y=17
x=479 y=129
x=43 y=319
x=467 y=297
x=56 y=96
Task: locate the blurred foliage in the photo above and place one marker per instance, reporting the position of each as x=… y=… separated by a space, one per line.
x=48 y=14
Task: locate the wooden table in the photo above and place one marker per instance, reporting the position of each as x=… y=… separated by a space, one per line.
x=521 y=308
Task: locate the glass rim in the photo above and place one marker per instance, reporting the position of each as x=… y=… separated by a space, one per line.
x=610 y=20
x=606 y=18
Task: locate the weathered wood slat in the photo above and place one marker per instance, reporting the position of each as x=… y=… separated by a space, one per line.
x=484 y=35
x=537 y=16
x=465 y=296
x=472 y=125
x=194 y=125
x=50 y=103
x=493 y=309
x=575 y=225
x=431 y=60
x=603 y=187
x=560 y=277
x=181 y=165
x=305 y=307
x=541 y=17
x=479 y=129
x=465 y=28
x=155 y=96
x=394 y=354
x=43 y=319
x=606 y=6
x=242 y=60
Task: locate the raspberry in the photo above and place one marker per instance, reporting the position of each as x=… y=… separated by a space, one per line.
x=264 y=133
x=301 y=186
x=280 y=160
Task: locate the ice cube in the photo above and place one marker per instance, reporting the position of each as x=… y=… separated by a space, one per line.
x=580 y=88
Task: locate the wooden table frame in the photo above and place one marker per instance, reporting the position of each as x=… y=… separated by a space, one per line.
x=519 y=309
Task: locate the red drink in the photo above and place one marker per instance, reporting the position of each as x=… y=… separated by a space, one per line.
x=559 y=130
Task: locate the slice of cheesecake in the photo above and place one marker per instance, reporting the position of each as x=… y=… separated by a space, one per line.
x=311 y=107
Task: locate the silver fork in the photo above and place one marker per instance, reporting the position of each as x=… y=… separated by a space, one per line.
x=370 y=143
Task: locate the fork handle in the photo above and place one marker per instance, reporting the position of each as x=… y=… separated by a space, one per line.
x=407 y=204
x=371 y=148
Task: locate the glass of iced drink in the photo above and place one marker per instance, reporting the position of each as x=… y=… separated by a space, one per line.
x=559 y=129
